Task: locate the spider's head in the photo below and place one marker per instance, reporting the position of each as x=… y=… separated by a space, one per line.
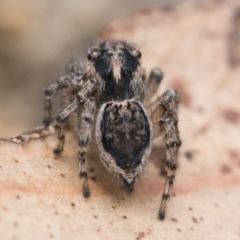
x=115 y=60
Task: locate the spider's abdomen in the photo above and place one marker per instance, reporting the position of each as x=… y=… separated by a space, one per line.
x=124 y=137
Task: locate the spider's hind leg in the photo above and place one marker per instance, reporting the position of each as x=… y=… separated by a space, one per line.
x=168 y=123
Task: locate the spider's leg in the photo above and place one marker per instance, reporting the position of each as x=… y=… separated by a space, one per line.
x=168 y=123
x=83 y=100
x=84 y=129
x=53 y=90
x=84 y=138
x=73 y=81
x=61 y=121
x=153 y=83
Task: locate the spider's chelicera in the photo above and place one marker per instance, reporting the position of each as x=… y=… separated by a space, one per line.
x=111 y=86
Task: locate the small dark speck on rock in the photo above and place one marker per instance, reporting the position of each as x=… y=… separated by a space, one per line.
x=15 y=160
x=124 y=217
x=231 y=115
x=179 y=229
x=15 y=224
x=189 y=155
x=190 y=209
x=51 y=235
x=18 y=197
x=73 y=204
x=233 y=154
x=194 y=220
x=225 y=169
x=93 y=178
x=62 y=175
x=174 y=219
x=140 y=236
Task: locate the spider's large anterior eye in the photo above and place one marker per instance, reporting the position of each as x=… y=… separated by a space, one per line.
x=89 y=56
x=136 y=53
x=93 y=55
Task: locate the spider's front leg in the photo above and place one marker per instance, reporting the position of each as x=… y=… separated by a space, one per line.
x=168 y=123
x=74 y=80
x=51 y=92
x=86 y=106
x=61 y=121
x=84 y=138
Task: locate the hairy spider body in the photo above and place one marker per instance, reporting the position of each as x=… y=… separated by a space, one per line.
x=112 y=86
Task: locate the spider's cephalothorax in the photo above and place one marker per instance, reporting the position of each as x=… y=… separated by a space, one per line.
x=118 y=69
x=112 y=86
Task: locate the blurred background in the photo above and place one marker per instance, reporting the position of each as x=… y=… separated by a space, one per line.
x=37 y=39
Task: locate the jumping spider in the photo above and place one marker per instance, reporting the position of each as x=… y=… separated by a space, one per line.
x=112 y=85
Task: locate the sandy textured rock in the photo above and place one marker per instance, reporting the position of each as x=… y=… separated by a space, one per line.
x=196 y=46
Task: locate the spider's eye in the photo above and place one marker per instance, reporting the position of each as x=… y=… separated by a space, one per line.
x=92 y=55
x=136 y=53
x=89 y=56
